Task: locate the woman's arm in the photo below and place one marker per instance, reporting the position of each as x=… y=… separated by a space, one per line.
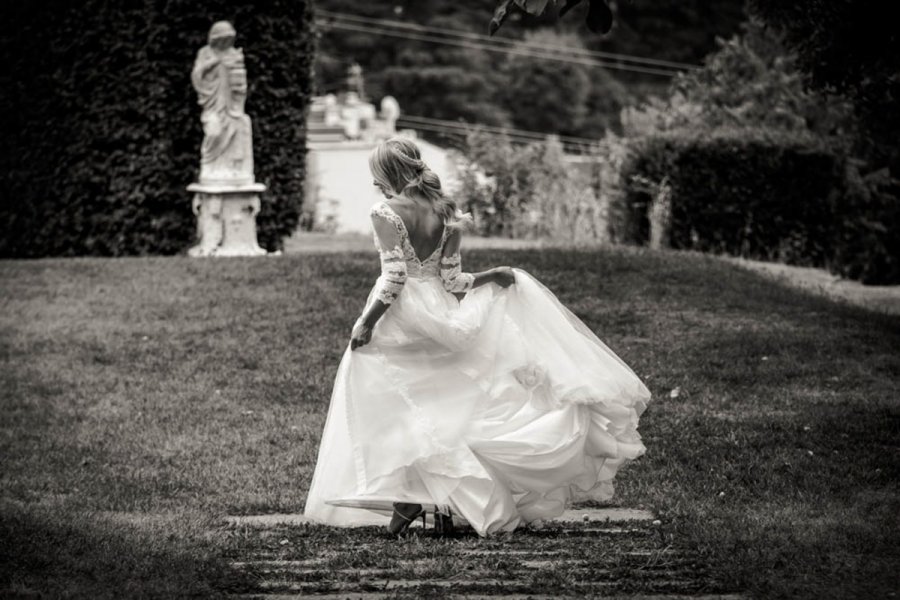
x=393 y=278
x=458 y=282
x=502 y=276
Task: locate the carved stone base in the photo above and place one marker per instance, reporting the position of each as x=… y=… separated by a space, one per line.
x=226 y=219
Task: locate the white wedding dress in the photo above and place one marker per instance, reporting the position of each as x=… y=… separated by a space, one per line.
x=499 y=408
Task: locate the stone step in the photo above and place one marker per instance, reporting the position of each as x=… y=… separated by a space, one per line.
x=266 y=521
x=363 y=575
x=605 y=514
x=586 y=529
x=527 y=558
x=574 y=515
x=636 y=555
x=524 y=596
x=457 y=586
x=561 y=549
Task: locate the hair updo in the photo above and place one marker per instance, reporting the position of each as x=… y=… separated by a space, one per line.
x=397 y=165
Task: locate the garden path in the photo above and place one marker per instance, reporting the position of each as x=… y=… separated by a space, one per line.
x=610 y=552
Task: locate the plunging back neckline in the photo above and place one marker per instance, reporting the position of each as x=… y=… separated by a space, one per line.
x=406 y=237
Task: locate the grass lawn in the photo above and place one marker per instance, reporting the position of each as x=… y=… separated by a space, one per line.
x=143 y=399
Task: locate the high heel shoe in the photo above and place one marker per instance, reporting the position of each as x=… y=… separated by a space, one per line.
x=443 y=524
x=404 y=514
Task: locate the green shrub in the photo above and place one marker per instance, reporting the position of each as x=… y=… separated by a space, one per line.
x=765 y=195
x=102 y=131
x=741 y=193
x=530 y=191
x=867 y=247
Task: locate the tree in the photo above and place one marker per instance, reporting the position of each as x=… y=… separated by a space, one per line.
x=667 y=29
x=752 y=81
x=546 y=95
x=850 y=47
x=443 y=92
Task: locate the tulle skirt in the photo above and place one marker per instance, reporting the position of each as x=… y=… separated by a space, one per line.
x=500 y=408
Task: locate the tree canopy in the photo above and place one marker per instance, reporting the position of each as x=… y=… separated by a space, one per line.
x=482 y=86
x=850 y=47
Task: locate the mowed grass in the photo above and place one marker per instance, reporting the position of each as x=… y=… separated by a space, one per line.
x=143 y=399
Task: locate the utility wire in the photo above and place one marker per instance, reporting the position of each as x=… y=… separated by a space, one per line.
x=462 y=132
x=459 y=132
x=501 y=41
x=462 y=125
x=519 y=51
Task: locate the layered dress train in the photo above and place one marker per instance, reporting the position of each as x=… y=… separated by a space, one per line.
x=500 y=408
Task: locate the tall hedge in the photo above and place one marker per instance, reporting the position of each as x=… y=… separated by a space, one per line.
x=101 y=129
x=765 y=195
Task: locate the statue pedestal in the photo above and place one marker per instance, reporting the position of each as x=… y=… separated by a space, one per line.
x=226 y=219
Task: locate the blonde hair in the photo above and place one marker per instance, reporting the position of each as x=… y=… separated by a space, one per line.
x=397 y=165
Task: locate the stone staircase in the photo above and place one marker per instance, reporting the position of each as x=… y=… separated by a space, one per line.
x=609 y=553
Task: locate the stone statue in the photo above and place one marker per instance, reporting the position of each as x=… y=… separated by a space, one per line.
x=220 y=79
x=226 y=198
x=390 y=112
x=355 y=81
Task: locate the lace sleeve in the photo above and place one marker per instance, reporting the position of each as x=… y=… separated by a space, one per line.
x=453 y=278
x=393 y=263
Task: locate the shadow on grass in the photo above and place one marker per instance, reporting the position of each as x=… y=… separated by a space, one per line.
x=53 y=552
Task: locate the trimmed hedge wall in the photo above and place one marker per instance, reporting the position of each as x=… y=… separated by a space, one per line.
x=101 y=125
x=762 y=195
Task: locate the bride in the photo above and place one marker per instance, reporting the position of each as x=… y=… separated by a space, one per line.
x=476 y=396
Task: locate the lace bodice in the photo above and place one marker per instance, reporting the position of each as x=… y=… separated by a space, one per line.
x=399 y=260
x=430 y=267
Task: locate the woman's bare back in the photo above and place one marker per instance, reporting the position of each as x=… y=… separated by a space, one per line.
x=424 y=226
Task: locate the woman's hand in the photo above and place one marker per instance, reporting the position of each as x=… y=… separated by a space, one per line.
x=362 y=335
x=504 y=276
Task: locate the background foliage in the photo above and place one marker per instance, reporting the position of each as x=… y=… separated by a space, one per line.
x=746 y=193
x=849 y=47
x=102 y=131
x=760 y=164
x=530 y=191
x=478 y=86
x=751 y=81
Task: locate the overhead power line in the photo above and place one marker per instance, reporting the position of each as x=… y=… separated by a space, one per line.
x=457 y=132
x=517 y=136
x=515 y=51
x=572 y=50
x=521 y=50
x=536 y=135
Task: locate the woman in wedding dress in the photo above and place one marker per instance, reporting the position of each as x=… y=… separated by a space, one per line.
x=472 y=395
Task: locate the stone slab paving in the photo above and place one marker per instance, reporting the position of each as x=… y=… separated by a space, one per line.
x=385 y=596
x=606 y=514
x=569 y=516
x=603 y=552
x=452 y=585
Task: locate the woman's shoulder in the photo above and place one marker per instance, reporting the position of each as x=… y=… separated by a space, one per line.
x=383 y=210
x=383 y=207
x=385 y=221
x=377 y=207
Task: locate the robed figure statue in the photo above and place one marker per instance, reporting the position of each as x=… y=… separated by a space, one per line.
x=220 y=78
x=226 y=197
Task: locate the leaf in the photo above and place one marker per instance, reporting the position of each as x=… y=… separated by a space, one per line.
x=533 y=7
